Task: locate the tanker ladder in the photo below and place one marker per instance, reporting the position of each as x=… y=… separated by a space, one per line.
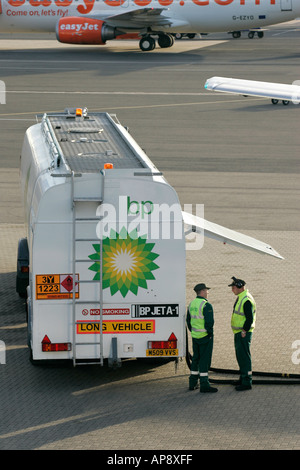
x=75 y=261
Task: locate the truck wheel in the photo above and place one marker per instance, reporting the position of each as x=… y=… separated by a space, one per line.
x=22 y=277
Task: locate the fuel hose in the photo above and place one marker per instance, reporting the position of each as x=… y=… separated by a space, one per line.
x=281 y=378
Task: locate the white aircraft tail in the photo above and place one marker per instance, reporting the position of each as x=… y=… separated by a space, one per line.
x=277 y=91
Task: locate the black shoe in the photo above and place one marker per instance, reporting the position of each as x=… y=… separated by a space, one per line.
x=194 y=387
x=209 y=390
x=241 y=387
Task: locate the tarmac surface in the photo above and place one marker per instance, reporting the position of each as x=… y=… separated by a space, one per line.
x=237 y=156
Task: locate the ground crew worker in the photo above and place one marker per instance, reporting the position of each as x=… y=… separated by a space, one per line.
x=200 y=322
x=242 y=324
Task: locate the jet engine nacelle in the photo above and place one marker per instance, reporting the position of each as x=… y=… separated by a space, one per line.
x=79 y=30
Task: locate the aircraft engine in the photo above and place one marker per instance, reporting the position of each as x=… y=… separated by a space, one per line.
x=78 y=30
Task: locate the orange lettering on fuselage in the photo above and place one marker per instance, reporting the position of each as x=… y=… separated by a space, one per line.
x=44 y=3
x=88 y=5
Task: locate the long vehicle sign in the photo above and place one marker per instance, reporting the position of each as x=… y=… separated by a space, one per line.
x=116 y=326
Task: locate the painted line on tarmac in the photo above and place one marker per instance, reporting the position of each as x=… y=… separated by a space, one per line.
x=133 y=107
x=142 y=93
x=50 y=424
x=128 y=46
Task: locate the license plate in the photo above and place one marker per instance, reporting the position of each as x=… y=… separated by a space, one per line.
x=161 y=352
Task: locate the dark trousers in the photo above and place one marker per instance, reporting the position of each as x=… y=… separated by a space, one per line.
x=202 y=355
x=243 y=357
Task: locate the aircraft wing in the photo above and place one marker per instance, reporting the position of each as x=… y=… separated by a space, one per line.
x=277 y=91
x=226 y=235
x=139 y=19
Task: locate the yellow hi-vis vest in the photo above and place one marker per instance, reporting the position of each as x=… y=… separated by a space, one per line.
x=238 y=316
x=197 y=318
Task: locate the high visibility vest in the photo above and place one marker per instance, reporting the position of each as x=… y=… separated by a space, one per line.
x=197 y=318
x=238 y=316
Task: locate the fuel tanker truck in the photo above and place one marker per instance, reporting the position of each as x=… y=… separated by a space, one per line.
x=102 y=263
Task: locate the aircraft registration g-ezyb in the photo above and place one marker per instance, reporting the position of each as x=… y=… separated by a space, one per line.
x=96 y=21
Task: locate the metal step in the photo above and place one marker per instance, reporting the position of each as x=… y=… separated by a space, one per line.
x=88 y=219
x=87 y=199
x=86 y=239
x=87 y=363
x=87 y=344
x=86 y=261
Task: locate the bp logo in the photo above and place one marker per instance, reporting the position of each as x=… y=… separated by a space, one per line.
x=128 y=262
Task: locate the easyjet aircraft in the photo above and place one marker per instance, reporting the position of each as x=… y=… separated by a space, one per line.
x=96 y=21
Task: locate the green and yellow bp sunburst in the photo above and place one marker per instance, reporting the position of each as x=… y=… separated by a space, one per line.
x=128 y=262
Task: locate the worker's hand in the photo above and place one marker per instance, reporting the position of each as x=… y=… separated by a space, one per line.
x=243 y=333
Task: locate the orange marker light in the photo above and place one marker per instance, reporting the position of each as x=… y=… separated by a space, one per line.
x=108 y=166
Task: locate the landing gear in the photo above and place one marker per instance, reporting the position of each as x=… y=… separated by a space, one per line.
x=147 y=43
x=284 y=102
x=183 y=35
x=251 y=34
x=165 y=40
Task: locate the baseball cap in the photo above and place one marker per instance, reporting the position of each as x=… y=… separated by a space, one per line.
x=200 y=287
x=237 y=282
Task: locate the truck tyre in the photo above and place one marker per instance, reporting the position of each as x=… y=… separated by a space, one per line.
x=22 y=277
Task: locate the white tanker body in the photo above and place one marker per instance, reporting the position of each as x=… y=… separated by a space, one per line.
x=98 y=211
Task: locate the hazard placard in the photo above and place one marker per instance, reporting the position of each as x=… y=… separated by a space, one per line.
x=56 y=286
x=111 y=326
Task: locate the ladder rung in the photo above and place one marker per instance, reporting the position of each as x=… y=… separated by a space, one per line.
x=87 y=239
x=87 y=199
x=87 y=344
x=85 y=260
x=87 y=302
x=87 y=282
x=87 y=363
x=80 y=219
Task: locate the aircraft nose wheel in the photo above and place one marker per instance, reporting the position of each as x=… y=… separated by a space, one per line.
x=147 y=43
